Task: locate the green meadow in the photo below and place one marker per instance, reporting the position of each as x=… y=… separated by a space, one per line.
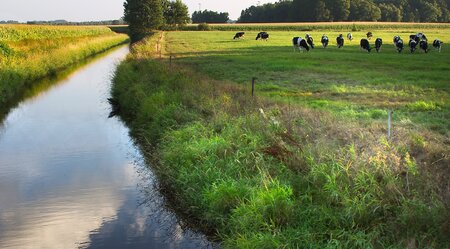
x=31 y=52
x=306 y=162
x=348 y=82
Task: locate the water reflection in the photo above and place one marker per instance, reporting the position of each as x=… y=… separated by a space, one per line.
x=70 y=177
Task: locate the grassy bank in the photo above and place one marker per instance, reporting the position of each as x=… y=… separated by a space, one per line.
x=262 y=172
x=29 y=53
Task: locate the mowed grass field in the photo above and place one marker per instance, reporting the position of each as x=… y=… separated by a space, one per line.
x=31 y=52
x=348 y=82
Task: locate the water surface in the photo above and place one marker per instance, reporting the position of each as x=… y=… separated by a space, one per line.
x=72 y=178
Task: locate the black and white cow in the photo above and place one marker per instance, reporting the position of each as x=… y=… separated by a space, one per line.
x=324 y=41
x=424 y=46
x=309 y=40
x=365 y=45
x=418 y=37
x=437 y=44
x=399 y=45
x=350 y=36
x=340 y=41
x=412 y=45
x=415 y=38
x=378 y=44
x=369 y=35
x=238 y=35
x=396 y=39
x=300 y=43
x=262 y=36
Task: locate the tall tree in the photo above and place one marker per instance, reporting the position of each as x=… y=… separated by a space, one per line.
x=175 y=13
x=142 y=16
x=322 y=13
x=340 y=9
x=209 y=16
x=390 y=12
x=364 y=10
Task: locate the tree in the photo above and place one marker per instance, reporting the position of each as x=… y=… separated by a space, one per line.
x=175 y=13
x=322 y=13
x=430 y=12
x=208 y=16
x=340 y=9
x=390 y=12
x=364 y=10
x=142 y=16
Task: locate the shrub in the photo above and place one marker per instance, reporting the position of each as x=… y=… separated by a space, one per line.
x=203 y=27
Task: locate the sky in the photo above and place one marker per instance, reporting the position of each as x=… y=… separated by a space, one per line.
x=96 y=10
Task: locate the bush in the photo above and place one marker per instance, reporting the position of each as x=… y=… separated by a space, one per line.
x=203 y=27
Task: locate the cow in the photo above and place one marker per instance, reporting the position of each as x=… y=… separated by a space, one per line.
x=340 y=41
x=437 y=44
x=350 y=36
x=309 y=40
x=424 y=46
x=378 y=43
x=422 y=37
x=369 y=35
x=238 y=35
x=414 y=38
x=399 y=45
x=365 y=45
x=412 y=45
x=300 y=43
x=262 y=36
x=396 y=39
x=324 y=41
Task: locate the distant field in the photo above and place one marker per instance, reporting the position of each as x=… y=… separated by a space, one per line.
x=30 y=52
x=347 y=82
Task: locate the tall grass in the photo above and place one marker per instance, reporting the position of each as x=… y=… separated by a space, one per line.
x=261 y=174
x=28 y=53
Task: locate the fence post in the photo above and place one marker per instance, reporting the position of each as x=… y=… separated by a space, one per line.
x=389 y=123
x=253 y=86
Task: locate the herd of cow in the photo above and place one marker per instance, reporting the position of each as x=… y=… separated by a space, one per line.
x=306 y=43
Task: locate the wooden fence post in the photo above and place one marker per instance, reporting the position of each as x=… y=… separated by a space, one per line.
x=253 y=86
x=389 y=123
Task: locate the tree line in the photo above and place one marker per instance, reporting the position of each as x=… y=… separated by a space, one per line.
x=349 y=10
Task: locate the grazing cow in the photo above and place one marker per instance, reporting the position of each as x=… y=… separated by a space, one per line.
x=437 y=44
x=262 y=36
x=415 y=38
x=324 y=41
x=424 y=46
x=422 y=36
x=365 y=45
x=340 y=41
x=412 y=45
x=369 y=35
x=399 y=45
x=309 y=40
x=300 y=43
x=378 y=43
x=350 y=36
x=396 y=39
x=238 y=35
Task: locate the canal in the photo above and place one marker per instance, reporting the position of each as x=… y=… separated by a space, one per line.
x=70 y=177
